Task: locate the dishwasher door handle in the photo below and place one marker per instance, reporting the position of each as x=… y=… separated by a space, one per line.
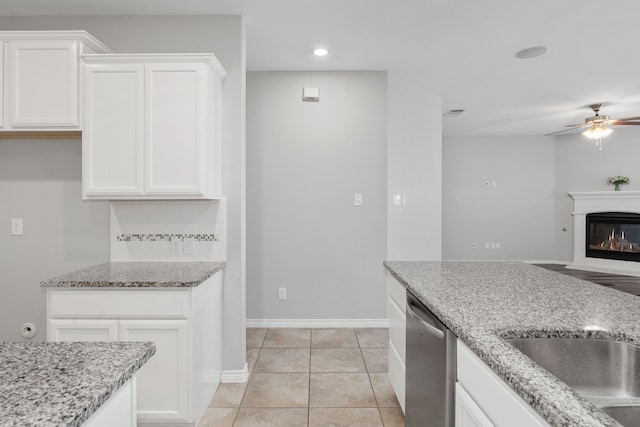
x=429 y=327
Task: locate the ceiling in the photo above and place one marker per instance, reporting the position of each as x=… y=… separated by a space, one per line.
x=462 y=50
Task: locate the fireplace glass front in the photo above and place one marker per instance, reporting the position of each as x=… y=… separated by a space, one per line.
x=613 y=235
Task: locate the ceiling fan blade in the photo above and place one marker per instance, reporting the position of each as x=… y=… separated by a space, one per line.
x=626 y=119
x=619 y=123
x=574 y=126
x=564 y=130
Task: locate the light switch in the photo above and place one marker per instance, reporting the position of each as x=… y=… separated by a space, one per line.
x=357 y=199
x=16 y=226
x=396 y=200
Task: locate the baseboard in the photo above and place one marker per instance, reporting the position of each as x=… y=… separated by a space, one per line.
x=547 y=261
x=317 y=323
x=235 y=376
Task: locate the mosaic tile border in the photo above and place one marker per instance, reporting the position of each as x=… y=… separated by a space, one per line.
x=208 y=237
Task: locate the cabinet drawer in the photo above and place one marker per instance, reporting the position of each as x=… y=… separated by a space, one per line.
x=397 y=292
x=397 y=326
x=397 y=374
x=97 y=303
x=468 y=413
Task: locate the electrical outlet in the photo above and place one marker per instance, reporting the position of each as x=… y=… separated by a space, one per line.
x=474 y=245
x=486 y=245
x=176 y=246
x=357 y=199
x=282 y=293
x=189 y=246
x=497 y=245
x=493 y=245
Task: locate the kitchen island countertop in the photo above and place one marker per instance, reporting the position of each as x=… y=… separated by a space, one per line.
x=62 y=384
x=137 y=275
x=484 y=303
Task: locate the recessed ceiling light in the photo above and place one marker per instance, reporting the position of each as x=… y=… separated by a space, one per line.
x=532 y=52
x=320 y=52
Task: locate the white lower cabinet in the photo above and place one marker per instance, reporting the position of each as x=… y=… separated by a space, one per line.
x=397 y=300
x=484 y=399
x=175 y=386
x=164 y=379
x=82 y=330
x=468 y=413
x=119 y=410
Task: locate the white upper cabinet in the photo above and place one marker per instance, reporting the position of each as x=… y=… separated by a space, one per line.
x=151 y=126
x=41 y=79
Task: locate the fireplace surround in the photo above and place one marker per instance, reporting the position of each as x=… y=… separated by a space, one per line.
x=606 y=231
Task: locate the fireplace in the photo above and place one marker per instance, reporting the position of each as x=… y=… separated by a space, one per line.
x=613 y=235
x=606 y=231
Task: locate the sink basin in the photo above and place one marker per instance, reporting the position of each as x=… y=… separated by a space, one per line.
x=591 y=367
x=627 y=415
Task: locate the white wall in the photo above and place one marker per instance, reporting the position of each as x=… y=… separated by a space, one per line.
x=518 y=212
x=305 y=161
x=223 y=35
x=40 y=182
x=414 y=170
x=580 y=166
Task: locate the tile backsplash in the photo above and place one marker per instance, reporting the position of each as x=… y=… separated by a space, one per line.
x=145 y=230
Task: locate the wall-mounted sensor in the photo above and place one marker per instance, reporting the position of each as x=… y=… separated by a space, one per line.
x=310 y=94
x=28 y=331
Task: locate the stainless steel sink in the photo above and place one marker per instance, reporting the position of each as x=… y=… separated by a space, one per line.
x=627 y=415
x=598 y=368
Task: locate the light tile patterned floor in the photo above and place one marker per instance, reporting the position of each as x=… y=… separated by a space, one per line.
x=310 y=378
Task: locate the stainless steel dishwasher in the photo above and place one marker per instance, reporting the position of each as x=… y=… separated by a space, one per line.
x=431 y=369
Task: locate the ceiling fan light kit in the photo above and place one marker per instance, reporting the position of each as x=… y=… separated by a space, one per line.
x=597 y=131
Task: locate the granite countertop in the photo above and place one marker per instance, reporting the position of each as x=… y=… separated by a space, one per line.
x=62 y=384
x=138 y=275
x=484 y=303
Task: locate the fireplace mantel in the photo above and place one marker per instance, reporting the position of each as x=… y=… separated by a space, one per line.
x=585 y=202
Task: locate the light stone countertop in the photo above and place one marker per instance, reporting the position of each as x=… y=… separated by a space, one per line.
x=138 y=275
x=484 y=303
x=62 y=384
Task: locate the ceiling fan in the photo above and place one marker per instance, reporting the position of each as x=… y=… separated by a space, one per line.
x=597 y=125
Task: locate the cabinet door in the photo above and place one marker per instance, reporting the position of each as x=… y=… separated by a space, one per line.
x=82 y=330
x=112 y=138
x=163 y=381
x=396 y=302
x=2 y=84
x=175 y=128
x=118 y=410
x=468 y=413
x=43 y=84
